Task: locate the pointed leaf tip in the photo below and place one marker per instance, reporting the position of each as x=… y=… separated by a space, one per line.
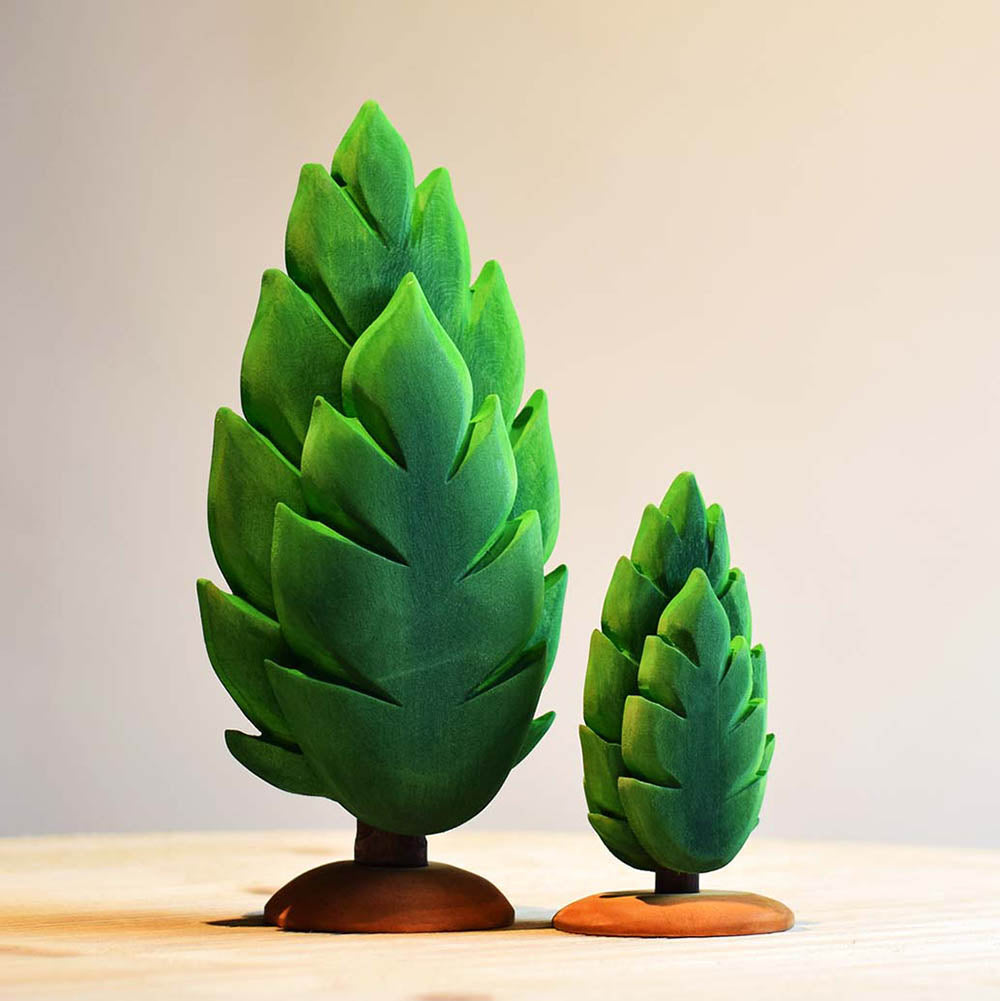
x=369 y=107
x=491 y=340
x=537 y=474
x=404 y=376
x=681 y=484
x=406 y=309
x=536 y=730
x=409 y=291
x=698 y=584
x=683 y=501
x=696 y=623
x=374 y=165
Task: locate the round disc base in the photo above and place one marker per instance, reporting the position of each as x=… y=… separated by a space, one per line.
x=348 y=897
x=639 y=914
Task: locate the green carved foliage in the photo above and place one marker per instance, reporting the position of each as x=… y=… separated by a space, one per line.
x=355 y=230
x=283 y=767
x=383 y=512
x=408 y=626
x=694 y=740
x=353 y=233
x=447 y=555
x=674 y=745
x=249 y=477
x=293 y=355
x=679 y=535
x=239 y=639
x=535 y=459
x=393 y=595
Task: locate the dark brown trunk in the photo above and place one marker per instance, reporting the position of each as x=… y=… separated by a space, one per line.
x=381 y=848
x=670 y=881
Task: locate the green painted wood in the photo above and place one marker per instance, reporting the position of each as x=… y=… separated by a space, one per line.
x=611 y=678
x=415 y=614
x=550 y=623
x=759 y=659
x=293 y=354
x=239 y=639
x=249 y=477
x=356 y=230
x=632 y=606
x=620 y=841
x=603 y=767
x=280 y=766
x=539 y=728
x=531 y=440
x=736 y=603
x=384 y=512
x=675 y=748
x=382 y=761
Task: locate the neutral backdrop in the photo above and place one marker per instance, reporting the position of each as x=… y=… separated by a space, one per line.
x=756 y=240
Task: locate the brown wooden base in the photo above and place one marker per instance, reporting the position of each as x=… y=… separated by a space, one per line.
x=638 y=914
x=348 y=897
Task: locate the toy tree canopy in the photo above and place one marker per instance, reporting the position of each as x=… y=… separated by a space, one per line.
x=383 y=513
x=674 y=739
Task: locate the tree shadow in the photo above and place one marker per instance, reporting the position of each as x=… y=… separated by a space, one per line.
x=246 y=921
x=525 y=919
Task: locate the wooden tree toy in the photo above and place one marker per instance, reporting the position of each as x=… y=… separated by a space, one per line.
x=675 y=743
x=383 y=515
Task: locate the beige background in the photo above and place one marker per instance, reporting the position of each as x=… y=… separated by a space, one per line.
x=757 y=240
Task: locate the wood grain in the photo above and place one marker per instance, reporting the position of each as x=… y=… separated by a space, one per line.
x=175 y=916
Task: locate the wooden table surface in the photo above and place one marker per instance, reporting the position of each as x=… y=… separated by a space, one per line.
x=174 y=916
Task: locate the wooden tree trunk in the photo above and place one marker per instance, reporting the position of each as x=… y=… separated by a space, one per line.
x=670 y=881
x=375 y=847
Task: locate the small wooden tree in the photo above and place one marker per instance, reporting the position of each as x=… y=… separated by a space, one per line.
x=675 y=748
